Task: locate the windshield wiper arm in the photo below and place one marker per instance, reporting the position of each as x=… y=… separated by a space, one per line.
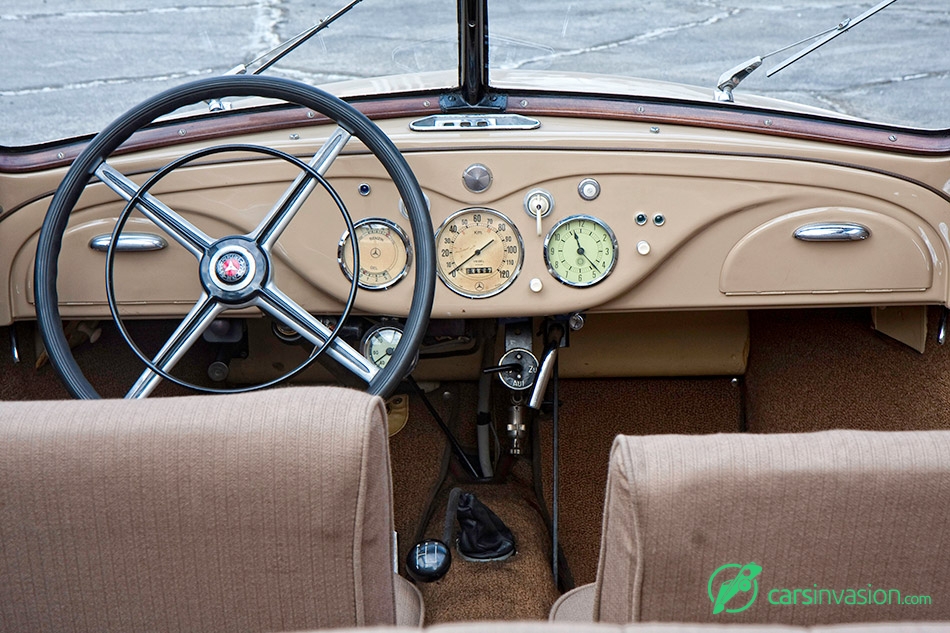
x=730 y=79
x=269 y=58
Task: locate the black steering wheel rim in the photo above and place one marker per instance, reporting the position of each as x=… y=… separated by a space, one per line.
x=107 y=141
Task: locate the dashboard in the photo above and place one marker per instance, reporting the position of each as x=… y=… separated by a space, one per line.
x=576 y=216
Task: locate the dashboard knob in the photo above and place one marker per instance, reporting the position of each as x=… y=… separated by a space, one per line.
x=477 y=178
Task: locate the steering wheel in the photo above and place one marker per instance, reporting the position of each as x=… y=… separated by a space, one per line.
x=235 y=270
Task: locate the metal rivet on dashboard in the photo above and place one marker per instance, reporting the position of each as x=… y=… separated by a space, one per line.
x=892 y=138
x=641 y=109
x=181 y=132
x=294 y=137
x=654 y=130
x=426 y=103
x=61 y=155
x=310 y=114
x=524 y=103
x=768 y=123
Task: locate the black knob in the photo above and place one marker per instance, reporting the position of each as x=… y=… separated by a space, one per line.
x=428 y=560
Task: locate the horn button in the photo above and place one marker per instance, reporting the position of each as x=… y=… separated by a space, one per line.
x=233 y=269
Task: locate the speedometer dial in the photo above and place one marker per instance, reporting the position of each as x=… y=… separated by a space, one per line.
x=384 y=253
x=479 y=252
x=580 y=250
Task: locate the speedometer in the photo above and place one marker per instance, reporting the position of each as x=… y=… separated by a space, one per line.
x=479 y=252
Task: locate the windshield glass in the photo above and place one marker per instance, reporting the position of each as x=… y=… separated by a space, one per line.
x=70 y=70
x=891 y=68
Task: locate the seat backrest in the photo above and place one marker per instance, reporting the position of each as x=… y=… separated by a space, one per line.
x=804 y=529
x=268 y=511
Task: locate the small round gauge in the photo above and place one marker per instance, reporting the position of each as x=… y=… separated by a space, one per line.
x=580 y=250
x=385 y=254
x=479 y=252
x=379 y=343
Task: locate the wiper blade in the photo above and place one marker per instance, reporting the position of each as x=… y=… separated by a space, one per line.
x=271 y=57
x=730 y=79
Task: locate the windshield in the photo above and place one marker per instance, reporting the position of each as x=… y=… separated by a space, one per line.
x=892 y=68
x=69 y=71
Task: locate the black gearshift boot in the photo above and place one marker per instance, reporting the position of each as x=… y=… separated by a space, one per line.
x=482 y=535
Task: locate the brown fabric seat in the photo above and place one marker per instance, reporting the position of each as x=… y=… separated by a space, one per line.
x=268 y=511
x=819 y=513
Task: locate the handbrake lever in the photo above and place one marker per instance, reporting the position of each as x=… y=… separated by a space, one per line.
x=548 y=363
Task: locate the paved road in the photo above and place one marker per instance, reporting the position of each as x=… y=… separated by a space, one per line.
x=68 y=70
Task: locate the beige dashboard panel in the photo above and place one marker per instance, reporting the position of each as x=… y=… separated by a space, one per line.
x=770 y=259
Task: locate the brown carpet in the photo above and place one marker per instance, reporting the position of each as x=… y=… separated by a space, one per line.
x=592 y=413
x=812 y=370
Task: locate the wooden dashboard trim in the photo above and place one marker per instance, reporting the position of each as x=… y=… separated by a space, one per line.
x=857 y=134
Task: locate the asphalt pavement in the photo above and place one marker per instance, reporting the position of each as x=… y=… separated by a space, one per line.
x=69 y=69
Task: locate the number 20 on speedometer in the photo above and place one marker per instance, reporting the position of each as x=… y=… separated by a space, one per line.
x=479 y=252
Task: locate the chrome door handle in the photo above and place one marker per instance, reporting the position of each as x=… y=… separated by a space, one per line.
x=832 y=232
x=129 y=242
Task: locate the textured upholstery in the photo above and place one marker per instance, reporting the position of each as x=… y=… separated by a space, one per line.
x=832 y=510
x=576 y=605
x=260 y=512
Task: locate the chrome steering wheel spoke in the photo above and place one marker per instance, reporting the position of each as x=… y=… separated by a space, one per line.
x=279 y=217
x=275 y=303
x=168 y=220
x=204 y=312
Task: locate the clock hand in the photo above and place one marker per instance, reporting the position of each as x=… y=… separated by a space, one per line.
x=580 y=251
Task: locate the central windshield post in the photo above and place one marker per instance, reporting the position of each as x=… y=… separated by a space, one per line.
x=473 y=50
x=473 y=62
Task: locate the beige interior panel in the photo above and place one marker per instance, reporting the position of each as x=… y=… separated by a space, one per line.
x=658 y=344
x=770 y=259
x=725 y=199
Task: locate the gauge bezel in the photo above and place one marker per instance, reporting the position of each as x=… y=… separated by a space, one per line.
x=341 y=251
x=605 y=274
x=514 y=274
x=384 y=325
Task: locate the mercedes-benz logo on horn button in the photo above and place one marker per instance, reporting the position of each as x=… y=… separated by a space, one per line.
x=231 y=268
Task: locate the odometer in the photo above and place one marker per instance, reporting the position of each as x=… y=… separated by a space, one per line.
x=580 y=250
x=479 y=252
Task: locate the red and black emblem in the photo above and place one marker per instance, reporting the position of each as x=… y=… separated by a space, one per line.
x=231 y=268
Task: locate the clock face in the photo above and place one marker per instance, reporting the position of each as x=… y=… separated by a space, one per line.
x=580 y=251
